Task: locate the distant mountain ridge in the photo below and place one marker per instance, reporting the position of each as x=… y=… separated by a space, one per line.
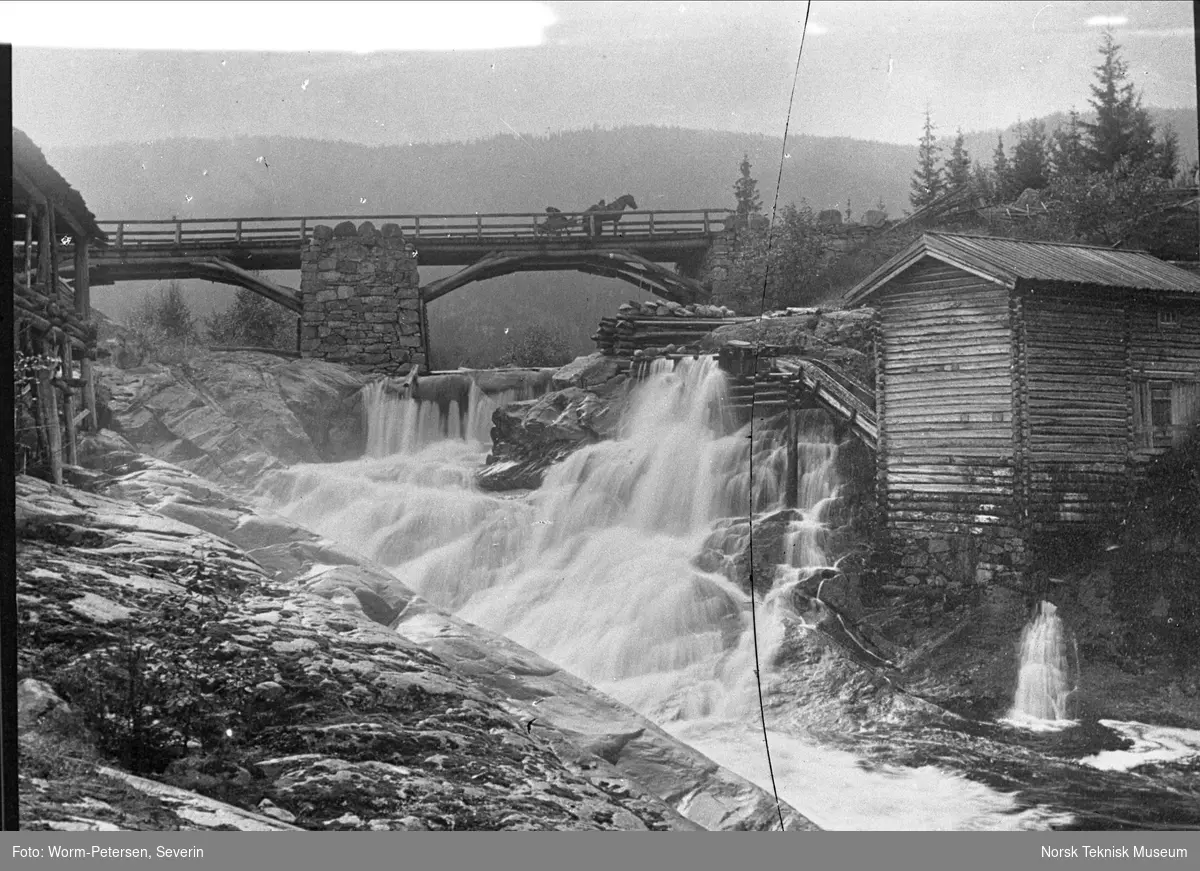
x=663 y=167
x=667 y=168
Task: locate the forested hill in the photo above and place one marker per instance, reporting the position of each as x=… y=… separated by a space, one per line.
x=663 y=168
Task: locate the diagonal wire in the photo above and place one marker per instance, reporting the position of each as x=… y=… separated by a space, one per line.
x=754 y=377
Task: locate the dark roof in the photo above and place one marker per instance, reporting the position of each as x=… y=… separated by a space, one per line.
x=65 y=198
x=1007 y=261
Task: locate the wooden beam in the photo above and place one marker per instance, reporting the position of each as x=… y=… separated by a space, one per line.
x=48 y=400
x=44 y=231
x=29 y=217
x=69 y=402
x=475 y=272
x=227 y=272
x=89 y=391
x=83 y=289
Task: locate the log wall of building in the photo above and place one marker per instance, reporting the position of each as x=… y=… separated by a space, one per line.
x=946 y=447
x=1165 y=348
x=1079 y=405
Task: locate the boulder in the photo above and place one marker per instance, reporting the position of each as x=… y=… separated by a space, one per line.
x=36 y=699
x=530 y=436
x=586 y=372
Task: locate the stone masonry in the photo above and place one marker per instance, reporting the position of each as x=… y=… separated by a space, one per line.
x=362 y=302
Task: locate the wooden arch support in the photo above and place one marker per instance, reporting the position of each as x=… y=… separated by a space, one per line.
x=624 y=265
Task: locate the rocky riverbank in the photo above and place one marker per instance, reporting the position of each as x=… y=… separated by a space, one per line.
x=191 y=661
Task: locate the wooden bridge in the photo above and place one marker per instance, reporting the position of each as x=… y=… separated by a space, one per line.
x=231 y=250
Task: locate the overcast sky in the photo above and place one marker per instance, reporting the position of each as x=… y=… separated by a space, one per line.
x=867 y=70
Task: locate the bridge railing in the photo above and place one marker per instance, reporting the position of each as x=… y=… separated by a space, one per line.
x=222 y=232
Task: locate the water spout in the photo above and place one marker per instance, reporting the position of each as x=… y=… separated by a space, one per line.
x=1043 y=685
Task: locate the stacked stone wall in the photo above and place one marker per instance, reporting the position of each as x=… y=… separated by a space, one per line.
x=362 y=301
x=956 y=560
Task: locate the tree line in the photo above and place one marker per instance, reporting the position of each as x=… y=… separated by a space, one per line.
x=1120 y=143
x=1110 y=181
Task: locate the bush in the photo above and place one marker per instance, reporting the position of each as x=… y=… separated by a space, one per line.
x=163 y=321
x=163 y=314
x=145 y=698
x=255 y=321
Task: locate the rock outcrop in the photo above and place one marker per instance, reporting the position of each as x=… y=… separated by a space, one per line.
x=232 y=416
x=529 y=437
x=270 y=684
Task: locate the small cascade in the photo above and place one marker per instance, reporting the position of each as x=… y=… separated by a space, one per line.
x=1043 y=684
x=450 y=406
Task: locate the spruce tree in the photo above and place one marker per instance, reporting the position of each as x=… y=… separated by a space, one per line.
x=1030 y=168
x=1123 y=128
x=984 y=182
x=746 y=191
x=927 y=181
x=1001 y=173
x=958 y=167
x=1167 y=154
x=1068 y=152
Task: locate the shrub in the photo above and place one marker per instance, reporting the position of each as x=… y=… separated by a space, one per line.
x=537 y=346
x=255 y=321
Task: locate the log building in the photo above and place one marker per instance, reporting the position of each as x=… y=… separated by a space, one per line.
x=52 y=336
x=1019 y=387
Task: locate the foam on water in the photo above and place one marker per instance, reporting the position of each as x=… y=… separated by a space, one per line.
x=597 y=571
x=1151 y=744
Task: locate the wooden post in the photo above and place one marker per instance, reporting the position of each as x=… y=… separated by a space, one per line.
x=416 y=226
x=69 y=405
x=52 y=283
x=652 y=223
x=92 y=424
x=49 y=405
x=303 y=229
x=178 y=233
x=45 y=245
x=29 y=215
x=425 y=336
x=237 y=234
x=793 y=451
x=478 y=226
x=120 y=233
x=83 y=287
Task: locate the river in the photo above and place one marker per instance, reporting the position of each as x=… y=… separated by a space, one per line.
x=597 y=571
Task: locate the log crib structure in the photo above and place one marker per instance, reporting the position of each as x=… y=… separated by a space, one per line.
x=54 y=342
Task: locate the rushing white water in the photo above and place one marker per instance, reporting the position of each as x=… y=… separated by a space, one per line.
x=597 y=570
x=1043 y=684
x=1150 y=744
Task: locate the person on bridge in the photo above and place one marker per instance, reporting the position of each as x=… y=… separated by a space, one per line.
x=556 y=223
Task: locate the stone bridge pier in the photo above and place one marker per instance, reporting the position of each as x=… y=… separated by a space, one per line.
x=361 y=299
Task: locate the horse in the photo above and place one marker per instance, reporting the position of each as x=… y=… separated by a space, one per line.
x=594 y=217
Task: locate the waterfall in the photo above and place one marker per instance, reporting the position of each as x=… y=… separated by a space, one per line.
x=447 y=406
x=599 y=570
x=1042 y=685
